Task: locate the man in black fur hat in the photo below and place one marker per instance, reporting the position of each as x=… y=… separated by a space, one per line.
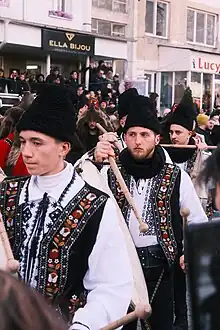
x=124 y=105
x=64 y=232
x=159 y=190
x=182 y=124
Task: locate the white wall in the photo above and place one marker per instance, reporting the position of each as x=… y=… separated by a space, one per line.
x=210 y=3
x=174 y=59
x=110 y=48
x=37 y=12
x=14 y=11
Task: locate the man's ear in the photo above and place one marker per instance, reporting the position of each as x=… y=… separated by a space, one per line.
x=157 y=139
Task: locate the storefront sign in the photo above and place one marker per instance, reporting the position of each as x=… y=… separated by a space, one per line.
x=68 y=42
x=205 y=65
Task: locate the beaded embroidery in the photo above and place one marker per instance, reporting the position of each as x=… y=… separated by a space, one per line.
x=163 y=213
x=57 y=243
x=163 y=186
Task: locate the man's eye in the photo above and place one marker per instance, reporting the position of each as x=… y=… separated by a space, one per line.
x=37 y=144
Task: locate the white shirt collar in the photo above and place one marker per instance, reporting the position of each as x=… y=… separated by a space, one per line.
x=51 y=184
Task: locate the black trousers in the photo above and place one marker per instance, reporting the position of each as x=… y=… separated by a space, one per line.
x=153 y=262
x=180 y=304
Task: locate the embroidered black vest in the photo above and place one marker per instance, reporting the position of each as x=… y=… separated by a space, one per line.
x=166 y=210
x=66 y=247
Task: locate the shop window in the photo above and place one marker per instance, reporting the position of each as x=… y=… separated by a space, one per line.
x=113 y=5
x=166 y=91
x=156 y=20
x=108 y=28
x=195 y=86
x=207 y=92
x=180 y=85
x=61 y=9
x=201 y=27
x=4 y=3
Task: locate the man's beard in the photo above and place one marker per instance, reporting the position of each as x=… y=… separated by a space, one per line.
x=143 y=155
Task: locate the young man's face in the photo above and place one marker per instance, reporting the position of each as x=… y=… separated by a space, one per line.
x=211 y=124
x=179 y=134
x=75 y=75
x=79 y=91
x=141 y=142
x=42 y=154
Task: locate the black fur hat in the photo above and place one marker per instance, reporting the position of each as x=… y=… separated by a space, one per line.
x=51 y=113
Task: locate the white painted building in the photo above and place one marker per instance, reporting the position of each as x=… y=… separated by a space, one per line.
x=25 y=23
x=175 y=44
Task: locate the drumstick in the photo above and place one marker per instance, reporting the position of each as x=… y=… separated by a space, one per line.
x=103 y=130
x=143 y=226
x=140 y=312
x=186 y=146
x=12 y=264
x=184 y=212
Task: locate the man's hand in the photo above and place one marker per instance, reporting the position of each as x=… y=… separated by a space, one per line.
x=182 y=263
x=109 y=136
x=199 y=143
x=103 y=150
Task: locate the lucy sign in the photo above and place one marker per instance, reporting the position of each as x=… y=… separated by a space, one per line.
x=207 y=65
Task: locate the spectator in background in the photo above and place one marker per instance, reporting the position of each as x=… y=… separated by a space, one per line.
x=109 y=76
x=13 y=83
x=3 y=81
x=22 y=308
x=99 y=82
x=11 y=160
x=24 y=86
x=215 y=117
x=116 y=84
x=73 y=80
x=40 y=78
x=154 y=97
x=26 y=100
x=87 y=130
x=202 y=128
x=55 y=77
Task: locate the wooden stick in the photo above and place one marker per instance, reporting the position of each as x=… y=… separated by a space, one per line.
x=12 y=264
x=143 y=226
x=142 y=312
x=184 y=214
x=103 y=130
x=187 y=146
x=178 y=146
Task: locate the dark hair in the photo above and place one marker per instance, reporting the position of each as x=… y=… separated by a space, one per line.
x=22 y=308
x=26 y=100
x=215 y=113
x=211 y=170
x=10 y=121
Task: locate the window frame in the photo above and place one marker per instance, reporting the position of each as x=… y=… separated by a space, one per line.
x=194 y=42
x=118 y=34
x=4 y=3
x=125 y=2
x=58 y=12
x=96 y=31
x=154 y=34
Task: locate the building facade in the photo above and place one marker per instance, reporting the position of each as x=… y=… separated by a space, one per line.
x=176 y=44
x=68 y=34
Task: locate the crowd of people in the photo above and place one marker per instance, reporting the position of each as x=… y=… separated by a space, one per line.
x=101 y=78
x=65 y=231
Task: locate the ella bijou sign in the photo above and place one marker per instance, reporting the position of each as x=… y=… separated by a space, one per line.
x=68 y=42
